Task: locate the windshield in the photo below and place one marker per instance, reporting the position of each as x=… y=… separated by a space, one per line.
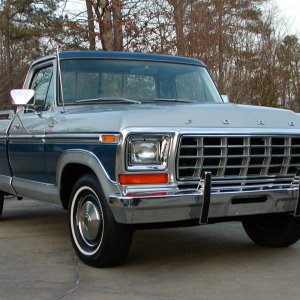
x=119 y=81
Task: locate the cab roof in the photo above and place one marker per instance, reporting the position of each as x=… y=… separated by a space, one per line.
x=122 y=55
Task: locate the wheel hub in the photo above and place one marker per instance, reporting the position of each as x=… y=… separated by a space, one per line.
x=89 y=221
x=86 y=220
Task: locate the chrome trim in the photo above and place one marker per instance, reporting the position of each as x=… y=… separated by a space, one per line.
x=5 y=184
x=176 y=133
x=26 y=139
x=78 y=137
x=36 y=190
x=62 y=138
x=178 y=205
x=121 y=156
x=248 y=131
x=163 y=166
x=37 y=65
x=213 y=152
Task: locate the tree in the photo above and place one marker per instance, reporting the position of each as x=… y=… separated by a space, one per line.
x=108 y=15
x=30 y=29
x=249 y=57
x=289 y=72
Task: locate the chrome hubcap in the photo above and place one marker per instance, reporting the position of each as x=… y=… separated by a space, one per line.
x=89 y=221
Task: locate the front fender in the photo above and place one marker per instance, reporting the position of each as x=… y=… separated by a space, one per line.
x=90 y=160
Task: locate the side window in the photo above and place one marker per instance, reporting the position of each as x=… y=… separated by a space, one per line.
x=43 y=85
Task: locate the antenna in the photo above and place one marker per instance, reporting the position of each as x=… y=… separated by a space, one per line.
x=60 y=79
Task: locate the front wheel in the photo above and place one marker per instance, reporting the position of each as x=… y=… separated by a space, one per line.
x=274 y=230
x=97 y=239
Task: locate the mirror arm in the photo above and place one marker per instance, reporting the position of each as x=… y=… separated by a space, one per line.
x=17 y=115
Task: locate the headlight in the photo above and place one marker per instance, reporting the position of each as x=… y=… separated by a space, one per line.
x=144 y=152
x=147 y=152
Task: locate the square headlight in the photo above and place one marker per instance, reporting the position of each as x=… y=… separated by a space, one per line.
x=147 y=152
x=144 y=152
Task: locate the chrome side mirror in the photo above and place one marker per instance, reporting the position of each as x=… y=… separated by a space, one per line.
x=22 y=97
x=225 y=98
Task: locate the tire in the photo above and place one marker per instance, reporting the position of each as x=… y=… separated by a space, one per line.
x=274 y=230
x=97 y=239
x=1 y=203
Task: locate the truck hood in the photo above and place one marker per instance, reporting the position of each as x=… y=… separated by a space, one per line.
x=115 y=118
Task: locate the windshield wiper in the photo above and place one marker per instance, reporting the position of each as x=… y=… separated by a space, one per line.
x=174 y=100
x=106 y=100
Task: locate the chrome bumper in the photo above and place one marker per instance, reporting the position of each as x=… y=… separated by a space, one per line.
x=182 y=205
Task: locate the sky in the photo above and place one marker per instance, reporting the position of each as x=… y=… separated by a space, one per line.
x=291 y=10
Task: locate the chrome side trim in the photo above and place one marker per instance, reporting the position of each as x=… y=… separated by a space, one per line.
x=36 y=190
x=74 y=138
x=27 y=138
x=5 y=185
x=60 y=138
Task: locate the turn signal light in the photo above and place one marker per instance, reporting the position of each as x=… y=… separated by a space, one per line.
x=109 y=138
x=143 y=178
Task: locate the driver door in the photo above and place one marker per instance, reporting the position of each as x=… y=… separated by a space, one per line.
x=26 y=144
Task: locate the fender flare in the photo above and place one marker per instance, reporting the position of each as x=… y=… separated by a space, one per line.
x=90 y=160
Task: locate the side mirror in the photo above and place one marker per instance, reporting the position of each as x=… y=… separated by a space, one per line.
x=22 y=97
x=225 y=98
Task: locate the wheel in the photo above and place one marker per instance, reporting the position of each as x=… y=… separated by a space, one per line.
x=97 y=239
x=1 y=203
x=274 y=230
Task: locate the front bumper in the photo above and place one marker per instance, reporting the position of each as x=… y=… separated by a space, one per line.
x=183 y=205
x=188 y=205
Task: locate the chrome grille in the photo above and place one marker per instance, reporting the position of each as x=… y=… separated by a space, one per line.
x=248 y=161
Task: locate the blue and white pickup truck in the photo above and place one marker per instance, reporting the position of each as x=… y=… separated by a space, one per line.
x=127 y=140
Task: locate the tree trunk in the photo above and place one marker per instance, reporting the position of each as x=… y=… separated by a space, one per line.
x=105 y=24
x=178 y=8
x=7 y=53
x=219 y=10
x=117 y=21
x=91 y=25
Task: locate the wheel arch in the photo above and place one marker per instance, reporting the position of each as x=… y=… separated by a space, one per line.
x=75 y=163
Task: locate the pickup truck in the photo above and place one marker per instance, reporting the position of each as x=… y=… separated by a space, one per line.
x=126 y=141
